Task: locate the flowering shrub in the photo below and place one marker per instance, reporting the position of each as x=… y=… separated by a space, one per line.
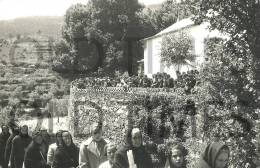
x=159 y=80
x=161 y=115
x=97 y=105
x=227 y=101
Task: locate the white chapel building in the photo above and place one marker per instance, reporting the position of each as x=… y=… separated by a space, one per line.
x=152 y=47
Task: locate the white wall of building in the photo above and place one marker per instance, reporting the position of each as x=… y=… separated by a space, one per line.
x=152 y=50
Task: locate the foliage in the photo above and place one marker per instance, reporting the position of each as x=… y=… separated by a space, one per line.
x=63 y=63
x=58 y=107
x=228 y=101
x=241 y=21
x=170 y=12
x=155 y=114
x=59 y=90
x=114 y=56
x=15 y=99
x=177 y=49
x=24 y=88
x=61 y=47
x=231 y=77
x=194 y=146
x=39 y=97
x=4 y=115
x=108 y=25
x=94 y=106
x=162 y=116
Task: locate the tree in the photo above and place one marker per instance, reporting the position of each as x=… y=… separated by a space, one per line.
x=61 y=47
x=111 y=26
x=177 y=49
x=226 y=93
x=233 y=75
x=241 y=21
x=171 y=11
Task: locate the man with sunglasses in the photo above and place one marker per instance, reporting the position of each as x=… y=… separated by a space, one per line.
x=92 y=152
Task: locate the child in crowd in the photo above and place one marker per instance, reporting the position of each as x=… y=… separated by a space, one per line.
x=176 y=157
x=110 y=152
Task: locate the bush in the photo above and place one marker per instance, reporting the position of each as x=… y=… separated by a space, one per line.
x=177 y=49
x=227 y=101
x=63 y=63
x=4 y=115
x=161 y=116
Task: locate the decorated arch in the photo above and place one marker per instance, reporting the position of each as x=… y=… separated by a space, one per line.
x=160 y=113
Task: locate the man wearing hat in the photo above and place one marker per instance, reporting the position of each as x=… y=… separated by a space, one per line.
x=92 y=152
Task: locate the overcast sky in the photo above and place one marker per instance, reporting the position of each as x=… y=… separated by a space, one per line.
x=10 y=9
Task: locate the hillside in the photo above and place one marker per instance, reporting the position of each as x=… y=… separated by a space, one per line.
x=50 y=26
x=26 y=78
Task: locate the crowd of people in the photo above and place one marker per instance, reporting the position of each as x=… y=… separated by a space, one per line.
x=159 y=80
x=19 y=150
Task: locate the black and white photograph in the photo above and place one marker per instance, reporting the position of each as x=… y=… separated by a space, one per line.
x=130 y=83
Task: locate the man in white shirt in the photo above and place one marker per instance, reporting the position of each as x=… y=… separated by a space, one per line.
x=92 y=153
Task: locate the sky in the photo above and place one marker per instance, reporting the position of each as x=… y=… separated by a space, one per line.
x=10 y=9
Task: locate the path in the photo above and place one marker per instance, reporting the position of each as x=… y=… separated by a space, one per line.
x=62 y=124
